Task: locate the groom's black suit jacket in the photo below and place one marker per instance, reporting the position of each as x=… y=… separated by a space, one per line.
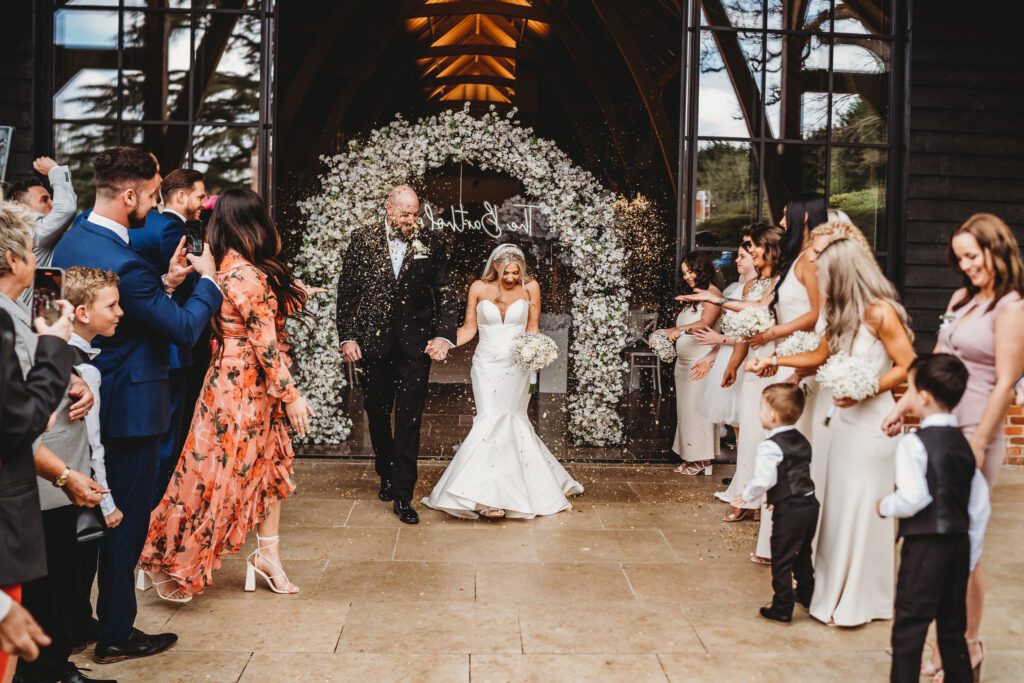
x=382 y=312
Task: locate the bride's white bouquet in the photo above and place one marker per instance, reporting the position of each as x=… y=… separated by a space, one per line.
x=663 y=346
x=533 y=350
x=847 y=377
x=797 y=343
x=748 y=322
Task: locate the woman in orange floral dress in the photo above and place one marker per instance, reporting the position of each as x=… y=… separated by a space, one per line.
x=236 y=466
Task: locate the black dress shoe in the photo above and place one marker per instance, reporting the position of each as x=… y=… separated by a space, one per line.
x=775 y=615
x=405 y=512
x=804 y=602
x=138 y=644
x=76 y=676
x=387 y=490
x=85 y=636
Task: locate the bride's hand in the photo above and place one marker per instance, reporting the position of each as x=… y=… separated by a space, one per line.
x=698 y=296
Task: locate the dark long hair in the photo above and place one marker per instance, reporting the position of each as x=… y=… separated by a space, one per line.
x=702 y=265
x=995 y=237
x=240 y=221
x=816 y=209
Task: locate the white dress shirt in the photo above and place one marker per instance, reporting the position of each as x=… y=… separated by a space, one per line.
x=111 y=225
x=91 y=374
x=766 y=466
x=912 y=495
x=5 y=605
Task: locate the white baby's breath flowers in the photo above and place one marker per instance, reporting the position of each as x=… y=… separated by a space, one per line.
x=663 y=346
x=797 y=343
x=848 y=377
x=747 y=323
x=351 y=196
x=534 y=351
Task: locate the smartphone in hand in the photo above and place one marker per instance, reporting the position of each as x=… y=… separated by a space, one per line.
x=194 y=237
x=49 y=289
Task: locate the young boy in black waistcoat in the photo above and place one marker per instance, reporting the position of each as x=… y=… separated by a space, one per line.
x=941 y=500
x=782 y=472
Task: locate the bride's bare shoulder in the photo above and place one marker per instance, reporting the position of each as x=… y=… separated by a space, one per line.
x=478 y=288
x=532 y=287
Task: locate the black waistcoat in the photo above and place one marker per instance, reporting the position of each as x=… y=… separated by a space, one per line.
x=950 y=469
x=794 y=472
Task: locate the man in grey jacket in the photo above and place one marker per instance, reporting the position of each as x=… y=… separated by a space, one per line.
x=53 y=212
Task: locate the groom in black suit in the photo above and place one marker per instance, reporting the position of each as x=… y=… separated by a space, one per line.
x=396 y=313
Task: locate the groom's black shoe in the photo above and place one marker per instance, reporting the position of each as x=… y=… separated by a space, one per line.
x=776 y=615
x=387 y=490
x=405 y=512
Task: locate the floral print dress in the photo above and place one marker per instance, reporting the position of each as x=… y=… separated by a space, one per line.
x=237 y=459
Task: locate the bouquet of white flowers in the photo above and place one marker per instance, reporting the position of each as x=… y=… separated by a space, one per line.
x=797 y=343
x=847 y=377
x=533 y=350
x=747 y=323
x=663 y=346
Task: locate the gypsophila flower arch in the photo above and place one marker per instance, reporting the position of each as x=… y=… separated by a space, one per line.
x=352 y=194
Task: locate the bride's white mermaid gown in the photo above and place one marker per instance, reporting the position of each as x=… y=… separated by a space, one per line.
x=502 y=463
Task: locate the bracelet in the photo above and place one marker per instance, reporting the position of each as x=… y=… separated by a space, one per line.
x=61 y=481
x=721 y=301
x=775 y=360
x=167 y=288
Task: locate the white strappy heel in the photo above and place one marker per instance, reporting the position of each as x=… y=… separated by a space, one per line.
x=144 y=582
x=251 y=570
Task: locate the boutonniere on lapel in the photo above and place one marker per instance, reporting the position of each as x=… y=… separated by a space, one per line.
x=417 y=248
x=946 y=319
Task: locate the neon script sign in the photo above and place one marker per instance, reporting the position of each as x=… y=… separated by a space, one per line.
x=489 y=223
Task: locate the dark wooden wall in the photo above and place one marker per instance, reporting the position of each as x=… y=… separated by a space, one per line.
x=966 y=139
x=17 y=85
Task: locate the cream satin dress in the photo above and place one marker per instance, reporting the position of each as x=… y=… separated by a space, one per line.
x=695 y=434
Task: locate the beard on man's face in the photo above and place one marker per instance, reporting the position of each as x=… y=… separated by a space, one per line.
x=136 y=219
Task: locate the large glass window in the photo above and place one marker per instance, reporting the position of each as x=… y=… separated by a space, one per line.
x=184 y=78
x=787 y=97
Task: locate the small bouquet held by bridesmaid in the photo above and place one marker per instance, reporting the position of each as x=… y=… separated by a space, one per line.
x=534 y=351
x=663 y=346
x=747 y=323
x=797 y=343
x=847 y=377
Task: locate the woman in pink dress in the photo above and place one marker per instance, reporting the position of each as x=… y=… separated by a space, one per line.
x=984 y=327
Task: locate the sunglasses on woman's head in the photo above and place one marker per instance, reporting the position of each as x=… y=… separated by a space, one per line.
x=747 y=244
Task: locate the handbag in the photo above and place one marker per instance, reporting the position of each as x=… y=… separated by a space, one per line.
x=90 y=525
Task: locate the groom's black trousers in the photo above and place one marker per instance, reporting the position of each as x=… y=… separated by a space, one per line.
x=932 y=585
x=396 y=382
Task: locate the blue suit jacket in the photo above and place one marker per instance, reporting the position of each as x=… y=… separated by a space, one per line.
x=156 y=243
x=135 y=396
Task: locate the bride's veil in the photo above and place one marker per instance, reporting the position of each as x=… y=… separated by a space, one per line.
x=498 y=251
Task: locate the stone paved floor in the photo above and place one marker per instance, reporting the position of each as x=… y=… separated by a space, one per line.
x=640 y=582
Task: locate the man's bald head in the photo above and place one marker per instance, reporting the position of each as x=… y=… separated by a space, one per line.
x=403 y=209
x=402 y=193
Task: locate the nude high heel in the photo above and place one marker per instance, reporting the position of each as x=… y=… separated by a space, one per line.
x=144 y=582
x=251 y=570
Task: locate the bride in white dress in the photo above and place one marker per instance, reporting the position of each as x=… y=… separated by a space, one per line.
x=502 y=469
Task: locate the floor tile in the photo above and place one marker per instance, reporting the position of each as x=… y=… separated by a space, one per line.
x=431 y=627
x=344 y=667
x=177 y=665
x=581 y=668
x=740 y=666
x=470 y=544
x=578 y=545
x=551 y=582
x=397 y=581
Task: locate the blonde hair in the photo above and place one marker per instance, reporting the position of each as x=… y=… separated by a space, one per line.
x=852 y=281
x=504 y=259
x=840 y=229
x=16 y=226
x=81 y=284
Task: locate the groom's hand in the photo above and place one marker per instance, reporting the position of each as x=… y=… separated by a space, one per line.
x=351 y=352
x=437 y=349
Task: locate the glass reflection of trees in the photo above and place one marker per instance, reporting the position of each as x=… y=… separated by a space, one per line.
x=793 y=96
x=187 y=88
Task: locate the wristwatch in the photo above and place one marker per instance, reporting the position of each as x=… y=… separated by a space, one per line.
x=61 y=481
x=167 y=286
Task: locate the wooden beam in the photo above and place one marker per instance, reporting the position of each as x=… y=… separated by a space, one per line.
x=651 y=95
x=503 y=9
x=469 y=79
x=489 y=50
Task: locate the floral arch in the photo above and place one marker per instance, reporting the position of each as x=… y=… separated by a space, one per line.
x=352 y=195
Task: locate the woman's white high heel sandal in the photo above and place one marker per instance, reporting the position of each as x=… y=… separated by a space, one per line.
x=144 y=582
x=251 y=570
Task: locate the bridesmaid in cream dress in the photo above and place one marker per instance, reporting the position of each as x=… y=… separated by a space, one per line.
x=695 y=435
x=856 y=561
x=762 y=243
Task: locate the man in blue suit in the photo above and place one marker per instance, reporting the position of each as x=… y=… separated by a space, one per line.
x=135 y=409
x=184 y=194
